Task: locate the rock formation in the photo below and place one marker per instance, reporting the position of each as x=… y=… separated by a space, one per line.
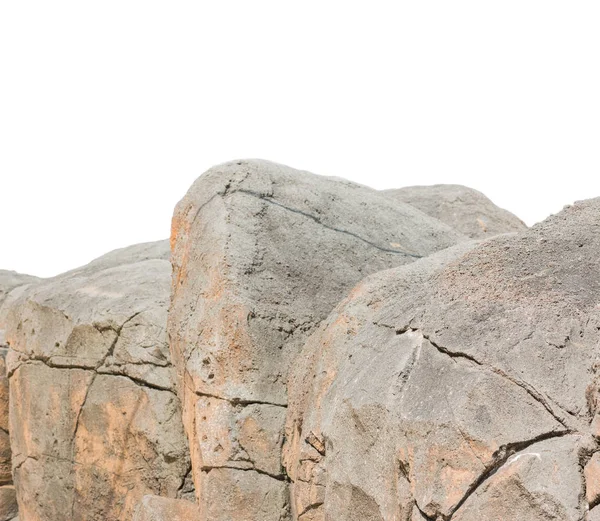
x=95 y=422
x=462 y=386
x=261 y=254
x=465 y=210
x=337 y=353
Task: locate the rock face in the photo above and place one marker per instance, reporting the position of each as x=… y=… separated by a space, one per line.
x=95 y=422
x=463 y=386
x=463 y=209
x=9 y=281
x=156 y=508
x=261 y=254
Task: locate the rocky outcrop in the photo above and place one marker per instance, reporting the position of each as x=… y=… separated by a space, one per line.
x=463 y=386
x=337 y=352
x=94 y=417
x=156 y=508
x=463 y=209
x=261 y=254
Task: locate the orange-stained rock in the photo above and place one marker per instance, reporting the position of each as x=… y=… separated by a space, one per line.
x=156 y=508
x=95 y=421
x=261 y=254
x=464 y=383
x=591 y=472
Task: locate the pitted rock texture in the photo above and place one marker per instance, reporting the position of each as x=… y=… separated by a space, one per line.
x=463 y=209
x=463 y=386
x=94 y=417
x=261 y=254
x=156 y=508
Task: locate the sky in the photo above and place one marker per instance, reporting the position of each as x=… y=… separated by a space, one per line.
x=110 y=110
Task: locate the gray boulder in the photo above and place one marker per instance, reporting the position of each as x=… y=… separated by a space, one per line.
x=261 y=254
x=463 y=386
x=463 y=209
x=95 y=420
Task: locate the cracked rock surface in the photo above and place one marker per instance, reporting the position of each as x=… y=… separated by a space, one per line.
x=10 y=282
x=463 y=209
x=463 y=386
x=94 y=416
x=261 y=254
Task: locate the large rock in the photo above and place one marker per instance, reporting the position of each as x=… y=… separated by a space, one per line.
x=462 y=386
x=261 y=254
x=95 y=421
x=464 y=209
x=156 y=508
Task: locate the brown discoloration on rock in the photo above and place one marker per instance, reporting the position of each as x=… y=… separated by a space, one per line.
x=261 y=254
x=463 y=370
x=591 y=473
x=8 y=503
x=95 y=418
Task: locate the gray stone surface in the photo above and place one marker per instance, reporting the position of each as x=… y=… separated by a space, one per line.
x=461 y=386
x=94 y=417
x=463 y=209
x=261 y=254
x=156 y=508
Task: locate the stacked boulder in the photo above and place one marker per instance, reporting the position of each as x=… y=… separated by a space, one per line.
x=463 y=386
x=261 y=255
x=325 y=350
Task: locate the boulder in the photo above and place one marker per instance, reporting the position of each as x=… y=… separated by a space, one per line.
x=94 y=417
x=156 y=508
x=463 y=209
x=261 y=254
x=463 y=386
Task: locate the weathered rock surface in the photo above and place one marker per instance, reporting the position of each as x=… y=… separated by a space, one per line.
x=463 y=386
x=156 y=508
x=8 y=503
x=10 y=281
x=463 y=209
x=95 y=422
x=261 y=254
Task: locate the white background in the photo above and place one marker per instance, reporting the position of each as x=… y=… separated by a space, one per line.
x=110 y=109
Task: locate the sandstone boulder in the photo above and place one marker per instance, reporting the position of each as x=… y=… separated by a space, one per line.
x=463 y=386
x=463 y=209
x=156 y=508
x=261 y=254
x=95 y=421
